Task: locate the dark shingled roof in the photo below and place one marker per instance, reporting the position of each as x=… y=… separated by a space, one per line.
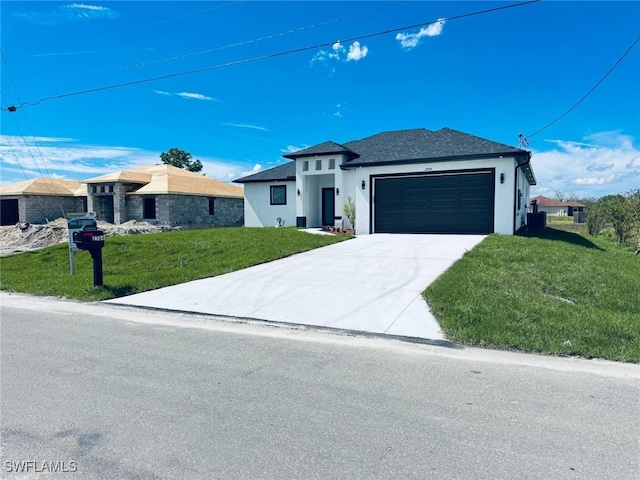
x=398 y=147
x=283 y=172
x=326 y=148
x=407 y=146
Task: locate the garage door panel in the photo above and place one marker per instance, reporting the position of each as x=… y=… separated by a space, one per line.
x=451 y=203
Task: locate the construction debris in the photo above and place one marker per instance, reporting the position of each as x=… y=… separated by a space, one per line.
x=23 y=237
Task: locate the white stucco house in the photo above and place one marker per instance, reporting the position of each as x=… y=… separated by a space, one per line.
x=406 y=181
x=556 y=207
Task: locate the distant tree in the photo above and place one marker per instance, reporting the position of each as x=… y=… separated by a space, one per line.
x=560 y=195
x=181 y=159
x=596 y=220
x=634 y=198
x=619 y=212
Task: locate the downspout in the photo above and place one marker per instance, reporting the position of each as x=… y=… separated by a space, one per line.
x=515 y=188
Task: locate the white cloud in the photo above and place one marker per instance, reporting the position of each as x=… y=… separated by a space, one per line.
x=88 y=7
x=411 y=40
x=337 y=54
x=292 y=148
x=600 y=164
x=162 y=92
x=68 y=158
x=339 y=110
x=196 y=96
x=256 y=168
x=356 y=52
x=70 y=13
x=65 y=158
x=245 y=125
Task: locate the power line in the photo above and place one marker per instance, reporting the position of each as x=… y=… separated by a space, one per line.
x=35 y=140
x=271 y=55
x=589 y=92
x=223 y=47
x=15 y=155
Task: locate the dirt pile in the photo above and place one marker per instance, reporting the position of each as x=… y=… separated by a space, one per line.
x=23 y=237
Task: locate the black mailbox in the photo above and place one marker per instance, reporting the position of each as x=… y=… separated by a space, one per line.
x=89 y=239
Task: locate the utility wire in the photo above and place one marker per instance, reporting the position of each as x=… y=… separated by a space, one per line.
x=588 y=93
x=223 y=47
x=35 y=140
x=271 y=55
x=15 y=155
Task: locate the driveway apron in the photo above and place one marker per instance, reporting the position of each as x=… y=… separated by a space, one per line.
x=371 y=283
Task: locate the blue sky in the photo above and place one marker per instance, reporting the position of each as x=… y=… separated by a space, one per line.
x=493 y=75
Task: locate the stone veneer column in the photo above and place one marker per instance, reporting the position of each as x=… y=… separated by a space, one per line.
x=119 y=213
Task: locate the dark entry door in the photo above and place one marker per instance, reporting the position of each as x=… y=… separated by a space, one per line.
x=328 y=206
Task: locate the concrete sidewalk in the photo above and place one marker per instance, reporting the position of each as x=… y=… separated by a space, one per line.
x=372 y=283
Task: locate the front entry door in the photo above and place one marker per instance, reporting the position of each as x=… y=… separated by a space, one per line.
x=328 y=206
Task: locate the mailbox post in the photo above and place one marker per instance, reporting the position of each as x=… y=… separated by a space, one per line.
x=92 y=241
x=76 y=223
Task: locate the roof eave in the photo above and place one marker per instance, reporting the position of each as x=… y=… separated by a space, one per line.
x=262 y=180
x=409 y=161
x=294 y=156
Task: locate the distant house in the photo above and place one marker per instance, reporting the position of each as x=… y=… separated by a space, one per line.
x=167 y=195
x=406 y=181
x=556 y=207
x=41 y=199
x=159 y=194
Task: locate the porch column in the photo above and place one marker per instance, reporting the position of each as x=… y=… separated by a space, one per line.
x=119 y=214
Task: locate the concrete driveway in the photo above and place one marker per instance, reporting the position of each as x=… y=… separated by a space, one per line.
x=372 y=283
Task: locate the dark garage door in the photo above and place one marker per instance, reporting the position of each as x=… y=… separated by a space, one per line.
x=442 y=203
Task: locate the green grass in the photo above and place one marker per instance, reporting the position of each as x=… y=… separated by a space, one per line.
x=554 y=291
x=136 y=263
x=559 y=219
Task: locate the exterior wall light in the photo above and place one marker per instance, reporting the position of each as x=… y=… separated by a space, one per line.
x=338 y=191
x=363 y=185
x=502 y=178
x=298 y=192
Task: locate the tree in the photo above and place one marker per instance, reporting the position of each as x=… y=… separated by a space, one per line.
x=619 y=212
x=181 y=159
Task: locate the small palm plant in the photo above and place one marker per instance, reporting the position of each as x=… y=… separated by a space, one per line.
x=349 y=210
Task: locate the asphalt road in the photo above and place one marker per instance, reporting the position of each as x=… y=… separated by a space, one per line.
x=118 y=393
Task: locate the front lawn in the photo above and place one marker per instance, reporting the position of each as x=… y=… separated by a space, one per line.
x=552 y=291
x=135 y=263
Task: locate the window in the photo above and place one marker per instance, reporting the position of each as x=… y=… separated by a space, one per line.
x=278 y=195
x=332 y=164
x=305 y=166
x=94 y=189
x=212 y=206
x=149 y=208
x=101 y=188
x=318 y=164
x=110 y=188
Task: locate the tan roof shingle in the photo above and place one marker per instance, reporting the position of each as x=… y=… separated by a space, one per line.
x=45 y=186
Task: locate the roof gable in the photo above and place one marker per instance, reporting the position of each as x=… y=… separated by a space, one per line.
x=326 y=148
